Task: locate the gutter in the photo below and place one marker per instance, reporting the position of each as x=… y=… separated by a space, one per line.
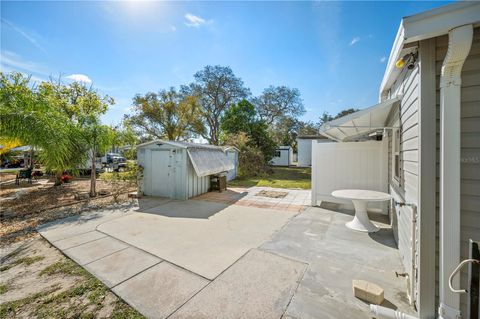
x=459 y=44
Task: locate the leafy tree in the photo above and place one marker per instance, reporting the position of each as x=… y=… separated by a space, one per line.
x=243 y=118
x=29 y=115
x=83 y=106
x=217 y=88
x=279 y=102
x=251 y=161
x=124 y=136
x=166 y=115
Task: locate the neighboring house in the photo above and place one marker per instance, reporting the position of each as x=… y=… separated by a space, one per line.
x=180 y=170
x=304 y=148
x=429 y=113
x=283 y=156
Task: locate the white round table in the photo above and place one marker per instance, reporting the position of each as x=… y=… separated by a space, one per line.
x=360 y=199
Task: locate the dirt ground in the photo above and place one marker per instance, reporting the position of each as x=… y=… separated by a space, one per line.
x=24 y=207
x=37 y=281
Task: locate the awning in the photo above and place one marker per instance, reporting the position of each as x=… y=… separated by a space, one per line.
x=360 y=123
x=208 y=161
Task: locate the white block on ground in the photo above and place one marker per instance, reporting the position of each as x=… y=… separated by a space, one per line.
x=368 y=291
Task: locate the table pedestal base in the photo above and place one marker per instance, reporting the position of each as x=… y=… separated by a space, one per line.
x=361 y=222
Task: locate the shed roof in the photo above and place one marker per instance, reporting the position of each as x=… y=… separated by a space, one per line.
x=206 y=159
x=311 y=137
x=359 y=123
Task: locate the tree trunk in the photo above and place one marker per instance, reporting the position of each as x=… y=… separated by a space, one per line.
x=93 y=177
x=58 y=178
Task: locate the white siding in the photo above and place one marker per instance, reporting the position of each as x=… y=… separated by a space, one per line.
x=304 y=152
x=285 y=158
x=470 y=150
x=196 y=185
x=406 y=116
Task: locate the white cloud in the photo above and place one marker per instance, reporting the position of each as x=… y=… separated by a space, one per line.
x=354 y=41
x=79 y=78
x=195 y=21
x=383 y=59
x=29 y=37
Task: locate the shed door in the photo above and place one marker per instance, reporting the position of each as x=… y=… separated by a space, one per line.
x=162 y=174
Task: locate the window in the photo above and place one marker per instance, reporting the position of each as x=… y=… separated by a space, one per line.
x=396 y=162
x=277 y=154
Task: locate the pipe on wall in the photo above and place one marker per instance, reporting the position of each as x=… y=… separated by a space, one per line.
x=459 y=44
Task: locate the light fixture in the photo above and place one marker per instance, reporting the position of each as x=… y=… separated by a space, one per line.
x=408 y=59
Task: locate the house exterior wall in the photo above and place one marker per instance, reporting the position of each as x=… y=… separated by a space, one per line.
x=406 y=115
x=405 y=189
x=470 y=152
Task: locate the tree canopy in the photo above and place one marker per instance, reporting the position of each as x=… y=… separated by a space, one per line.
x=217 y=88
x=279 y=102
x=166 y=115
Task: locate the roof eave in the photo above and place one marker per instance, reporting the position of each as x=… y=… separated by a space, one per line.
x=423 y=26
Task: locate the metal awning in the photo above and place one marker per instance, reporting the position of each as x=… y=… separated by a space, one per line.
x=208 y=161
x=360 y=123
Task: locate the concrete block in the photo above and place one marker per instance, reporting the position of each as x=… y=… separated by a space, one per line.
x=78 y=240
x=94 y=250
x=368 y=291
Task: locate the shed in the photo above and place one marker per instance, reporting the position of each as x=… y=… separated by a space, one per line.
x=304 y=148
x=180 y=170
x=232 y=154
x=283 y=156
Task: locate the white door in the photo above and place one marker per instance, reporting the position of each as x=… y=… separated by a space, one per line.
x=162 y=172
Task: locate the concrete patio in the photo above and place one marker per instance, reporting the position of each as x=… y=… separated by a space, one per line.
x=211 y=259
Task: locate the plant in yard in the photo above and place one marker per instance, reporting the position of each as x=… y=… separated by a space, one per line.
x=251 y=161
x=122 y=182
x=243 y=117
x=30 y=115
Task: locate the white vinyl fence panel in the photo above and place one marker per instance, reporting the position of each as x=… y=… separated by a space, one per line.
x=348 y=165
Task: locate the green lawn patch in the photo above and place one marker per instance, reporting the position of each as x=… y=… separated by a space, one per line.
x=282 y=177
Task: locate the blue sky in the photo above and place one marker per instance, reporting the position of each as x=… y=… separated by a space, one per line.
x=335 y=53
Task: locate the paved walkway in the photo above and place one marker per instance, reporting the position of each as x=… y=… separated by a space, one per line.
x=212 y=259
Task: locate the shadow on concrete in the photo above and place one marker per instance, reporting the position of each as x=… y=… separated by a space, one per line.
x=385 y=237
x=198 y=209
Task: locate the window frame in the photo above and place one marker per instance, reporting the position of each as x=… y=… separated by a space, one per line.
x=396 y=155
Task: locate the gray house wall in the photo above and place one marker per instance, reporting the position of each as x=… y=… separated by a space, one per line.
x=405 y=115
x=470 y=151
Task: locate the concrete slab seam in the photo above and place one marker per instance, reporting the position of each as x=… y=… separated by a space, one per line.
x=116 y=251
x=138 y=273
x=163 y=259
x=104 y=235
x=210 y=281
x=295 y=290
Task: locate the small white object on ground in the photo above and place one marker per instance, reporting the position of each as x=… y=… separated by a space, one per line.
x=368 y=291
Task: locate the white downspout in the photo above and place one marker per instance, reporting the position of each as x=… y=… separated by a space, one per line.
x=459 y=44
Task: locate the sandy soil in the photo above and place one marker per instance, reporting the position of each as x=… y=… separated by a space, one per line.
x=38 y=281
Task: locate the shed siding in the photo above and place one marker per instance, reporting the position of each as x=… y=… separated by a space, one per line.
x=470 y=151
x=406 y=116
x=196 y=185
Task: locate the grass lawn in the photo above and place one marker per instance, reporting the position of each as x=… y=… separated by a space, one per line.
x=282 y=177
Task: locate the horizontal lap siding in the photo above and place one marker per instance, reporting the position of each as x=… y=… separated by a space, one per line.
x=407 y=114
x=470 y=150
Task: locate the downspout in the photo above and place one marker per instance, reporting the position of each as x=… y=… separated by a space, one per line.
x=459 y=44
